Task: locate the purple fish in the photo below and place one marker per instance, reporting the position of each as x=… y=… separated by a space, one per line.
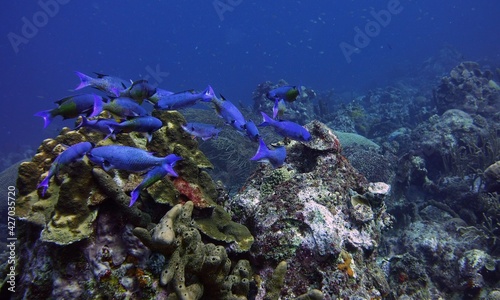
x=159 y=95
x=154 y=175
x=287 y=128
x=72 y=107
x=201 y=130
x=73 y=153
x=101 y=125
x=112 y=86
x=184 y=99
x=287 y=92
x=125 y=107
x=146 y=124
x=229 y=113
x=252 y=131
x=125 y=158
x=275 y=157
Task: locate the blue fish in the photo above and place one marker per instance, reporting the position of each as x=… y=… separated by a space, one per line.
x=125 y=107
x=146 y=124
x=229 y=113
x=72 y=107
x=112 y=86
x=154 y=175
x=287 y=92
x=201 y=130
x=160 y=94
x=73 y=153
x=139 y=90
x=252 y=131
x=275 y=157
x=184 y=99
x=101 y=125
x=125 y=158
x=287 y=128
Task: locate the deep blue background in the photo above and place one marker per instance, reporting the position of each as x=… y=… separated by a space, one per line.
x=256 y=41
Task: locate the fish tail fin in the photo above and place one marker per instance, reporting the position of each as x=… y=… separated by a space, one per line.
x=44 y=185
x=208 y=94
x=169 y=163
x=135 y=195
x=111 y=134
x=83 y=123
x=276 y=108
x=113 y=130
x=98 y=106
x=262 y=151
x=85 y=80
x=46 y=115
x=267 y=120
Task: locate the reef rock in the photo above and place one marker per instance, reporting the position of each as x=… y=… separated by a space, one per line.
x=302 y=213
x=470 y=89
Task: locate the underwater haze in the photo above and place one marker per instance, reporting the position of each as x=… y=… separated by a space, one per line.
x=231 y=45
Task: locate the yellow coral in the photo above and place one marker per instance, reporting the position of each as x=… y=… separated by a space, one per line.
x=346 y=265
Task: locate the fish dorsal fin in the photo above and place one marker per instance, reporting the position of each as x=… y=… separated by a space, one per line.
x=100 y=75
x=61 y=101
x=139 y=81
x=186 y=91
x=222 y=97
x=123 y=85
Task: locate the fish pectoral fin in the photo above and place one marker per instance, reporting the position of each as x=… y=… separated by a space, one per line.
x=106 y=165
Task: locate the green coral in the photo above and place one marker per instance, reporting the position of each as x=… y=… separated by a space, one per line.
x=220 y=227
x=276 y=177
x=65 y=214
x=176 y=236
x=276 y=282
x=114 y=192
x=348 y=139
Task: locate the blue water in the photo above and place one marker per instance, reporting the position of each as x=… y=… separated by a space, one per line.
x=188 y=44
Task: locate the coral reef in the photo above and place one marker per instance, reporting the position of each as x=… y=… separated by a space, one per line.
x=79 y=237
x=402 y=203
x=195 y=268
x=469 y=89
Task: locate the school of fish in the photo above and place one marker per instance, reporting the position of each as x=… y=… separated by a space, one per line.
x=123 y=100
